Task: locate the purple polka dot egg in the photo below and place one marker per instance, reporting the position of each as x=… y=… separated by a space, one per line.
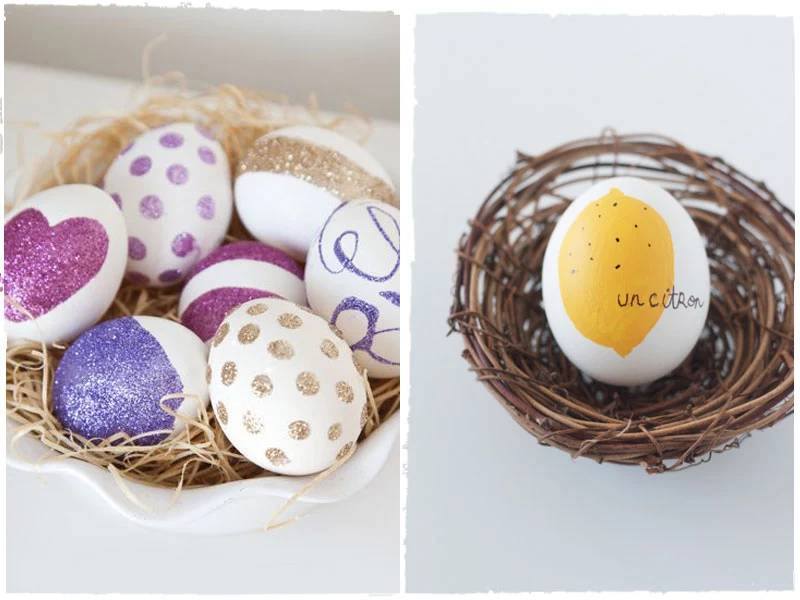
x=139 y=376
x=174 y=189
x=285 y=387
x=65 y=255
x=233 y=274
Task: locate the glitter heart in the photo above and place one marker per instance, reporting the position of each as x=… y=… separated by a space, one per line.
x=44 y=266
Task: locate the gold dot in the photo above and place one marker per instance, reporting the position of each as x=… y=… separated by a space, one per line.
x=221 y=333
x=334 y=432
x=359 y=368
x=344 y=451
x=261 y=385
x=281 y=349
x=208 y=373
x=252 y=423
x=299 y=430
x=364 y=415
x=228 y=373
x=222 y=413
x=290 y=321
x=344 y=392
x=249 y=333
x=307 y=383
x=306 y=309
x=277 y=457
x=329 y=349
x=336 y=331
x=256 y=309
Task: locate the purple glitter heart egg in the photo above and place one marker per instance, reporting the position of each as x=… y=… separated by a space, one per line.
x=117 y=378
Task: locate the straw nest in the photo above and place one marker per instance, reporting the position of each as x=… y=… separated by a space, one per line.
x=82 y=153
x=740 y=375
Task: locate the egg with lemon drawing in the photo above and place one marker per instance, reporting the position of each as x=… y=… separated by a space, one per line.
x=625 y=282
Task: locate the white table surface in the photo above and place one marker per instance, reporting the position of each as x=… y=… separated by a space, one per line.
x=353 y=546
x=488 y=508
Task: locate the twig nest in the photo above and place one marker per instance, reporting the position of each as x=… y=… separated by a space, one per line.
x=738 y=378
x=285 y=388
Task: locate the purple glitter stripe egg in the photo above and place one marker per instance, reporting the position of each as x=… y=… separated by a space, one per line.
x=112 y=379
x=251 y=251
x=205 y=314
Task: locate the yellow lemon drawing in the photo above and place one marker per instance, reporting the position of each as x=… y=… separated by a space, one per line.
x=615 y=264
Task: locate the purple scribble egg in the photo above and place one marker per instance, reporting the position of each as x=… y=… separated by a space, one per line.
x=114 y=379
x=250 y=270
x=174 y=189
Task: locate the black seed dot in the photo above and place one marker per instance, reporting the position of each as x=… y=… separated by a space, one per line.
x=597 y=205
x=636 y=226
x=617 y=267
x=590 y=243
x=614 y=204
x=616 y=239
x=590 y=258
x=573 y=271
x=648 y=245
x=598 y=216
x=645 y=208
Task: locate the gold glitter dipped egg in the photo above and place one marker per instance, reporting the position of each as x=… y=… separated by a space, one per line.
x=286 y=390
x=312 y=170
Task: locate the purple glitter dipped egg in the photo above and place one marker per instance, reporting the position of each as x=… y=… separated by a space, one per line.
x=176 y=197
x=118 y=376
x=65 y=254
x=234 y=274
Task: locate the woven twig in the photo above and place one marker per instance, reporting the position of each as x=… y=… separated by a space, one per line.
x=739 y=377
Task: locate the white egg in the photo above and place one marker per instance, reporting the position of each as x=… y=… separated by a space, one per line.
x=173 y=185
x=233 y=274
x=353 y=280
x=625 y=282
x=65 y=253
x=118 y=377
x=291 y=179
x=285 y=388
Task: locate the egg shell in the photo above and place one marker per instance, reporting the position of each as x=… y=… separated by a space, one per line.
x=112 y=379
x=233 y=274
x=285 y=388
x=173 y=185
x=353 y=280
x=65 y=253
x=632 y=344
x=292 y=178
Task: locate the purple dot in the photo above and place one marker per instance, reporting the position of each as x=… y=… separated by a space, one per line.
x=207 y=155
x=136 y=248
x=177 y=174
x=205 y=207
x=171 y=140
x=141 y=165
x=169 y=275
x=183 y=244
x=116 y=197
x=151 y=207
x=138 y=278
x=205 y=132
x=126 y=149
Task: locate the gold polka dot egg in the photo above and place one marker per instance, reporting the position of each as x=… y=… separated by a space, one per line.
x=625 y=282
x=285 y=387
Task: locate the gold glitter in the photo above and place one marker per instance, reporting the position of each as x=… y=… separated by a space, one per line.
x=334 y=432
x=359 y=369
x=228 y=373
x=257 y=309
x=251 y=423
x=307 y=383
x=222 y=413
x=281 y=349
x=318 y=165
x=249 y=333
x=364 y=415
x=344 y=451
x=290 y=321
x=221 y=333
x=299 y=430
x=208 y=373
x=337 y=332
x=277 y=457
x=306 y=309
x=329 y=349
x=261 y=385
x=344 y=392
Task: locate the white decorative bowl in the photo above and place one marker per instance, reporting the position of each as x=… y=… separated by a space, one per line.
x=230 y=508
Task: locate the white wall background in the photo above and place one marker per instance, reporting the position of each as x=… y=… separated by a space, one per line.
x=342 y=56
